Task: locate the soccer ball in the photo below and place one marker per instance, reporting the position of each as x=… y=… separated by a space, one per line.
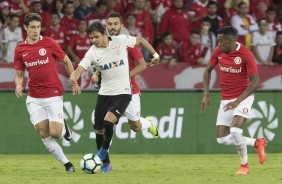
x=90 y=163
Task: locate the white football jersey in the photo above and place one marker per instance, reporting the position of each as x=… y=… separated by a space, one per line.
x=112 y=62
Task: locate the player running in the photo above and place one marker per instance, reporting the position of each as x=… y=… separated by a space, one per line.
x=238 y=80
x=137 y=64
x=109 y=56
x=38 y=55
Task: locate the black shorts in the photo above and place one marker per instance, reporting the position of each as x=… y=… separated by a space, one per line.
x=116 y=104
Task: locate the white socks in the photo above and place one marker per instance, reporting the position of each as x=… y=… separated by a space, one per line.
x=145 y=123
x=54 y=148
x=240 y=144
x=229 y=140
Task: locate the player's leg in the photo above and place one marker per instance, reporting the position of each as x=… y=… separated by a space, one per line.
x=224 y=121
x=236 y=131
x=136 y=123
x=57 y=129
x=233 y=135
x=101 y=109
x=117 y=107
x=224 y=137
x=244 y=110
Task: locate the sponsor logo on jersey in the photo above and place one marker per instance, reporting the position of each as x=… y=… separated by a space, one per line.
x=113 y=64
x=37 y=62
x=230 y=69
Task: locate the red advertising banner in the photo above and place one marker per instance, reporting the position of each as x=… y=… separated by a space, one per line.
x=183 y=76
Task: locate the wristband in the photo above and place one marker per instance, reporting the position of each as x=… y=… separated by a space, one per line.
x=156 y=56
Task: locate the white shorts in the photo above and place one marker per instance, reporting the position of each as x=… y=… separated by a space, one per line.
x=132 y=111
x=45 y=108
x=243 y=109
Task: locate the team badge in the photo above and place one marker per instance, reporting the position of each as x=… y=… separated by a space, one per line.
x=60 y=116
x=87 y=42
x=116 y=50
x=61 y=34
x=42 y=52
x=237 y=60
x=245 y=110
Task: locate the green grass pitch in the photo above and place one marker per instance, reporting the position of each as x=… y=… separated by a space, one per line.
x=142 y=169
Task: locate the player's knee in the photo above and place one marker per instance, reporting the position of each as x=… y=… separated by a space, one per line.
x=55 y=133
x=100 y=132
x=135 y=126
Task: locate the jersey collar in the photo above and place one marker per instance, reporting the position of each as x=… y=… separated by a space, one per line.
x=40 y=38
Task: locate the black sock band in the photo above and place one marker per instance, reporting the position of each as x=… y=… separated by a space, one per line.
x=99 y=141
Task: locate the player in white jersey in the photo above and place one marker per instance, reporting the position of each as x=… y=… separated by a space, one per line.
x=12 y=36
x=137 y=64
x=109 y=56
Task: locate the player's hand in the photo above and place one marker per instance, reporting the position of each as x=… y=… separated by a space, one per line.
x=95 y=78
x=72 y=82
x=19 y=91
x=155 y=60
x=75 y=89
x=205 y=102
x=231 y=105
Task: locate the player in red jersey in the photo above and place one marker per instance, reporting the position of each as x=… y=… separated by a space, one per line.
x=44 y=102
x=238 y=80
x=137 y=64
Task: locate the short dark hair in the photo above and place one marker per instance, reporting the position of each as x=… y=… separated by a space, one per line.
x=278 y=33
x=96 y=26
x=31 y=17
x=164 y=35
x=13 y=15
x=56 y=13
x=271 y=9
x=212 y=3
x=228 y=30
x=115 y=15
x=241 y=4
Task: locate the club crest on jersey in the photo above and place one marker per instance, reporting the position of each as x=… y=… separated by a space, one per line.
x=237 y=60
x=42 y=52
x=116 y=50
x=113 y=64
x=245 y=110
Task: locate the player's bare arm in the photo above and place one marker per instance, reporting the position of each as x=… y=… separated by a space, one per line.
x=140 y=66
x=19 y=83
x=206 y=82
x=75 y=75
x=254 y=84
x=143 y=43
x=69 y=69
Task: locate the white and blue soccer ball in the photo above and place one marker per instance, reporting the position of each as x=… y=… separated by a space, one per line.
x=90 y=163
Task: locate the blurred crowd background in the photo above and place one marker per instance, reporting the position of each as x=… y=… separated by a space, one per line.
x=181 y=30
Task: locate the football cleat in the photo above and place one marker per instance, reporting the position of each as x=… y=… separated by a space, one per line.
x=244 y=169
x=260 y=145
x=69 y=167
x=153 y=129
x=68 y=134
x=102 y=153
x=106 y=168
